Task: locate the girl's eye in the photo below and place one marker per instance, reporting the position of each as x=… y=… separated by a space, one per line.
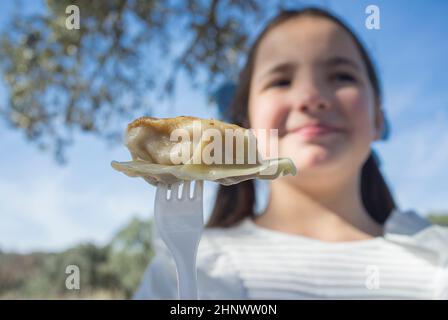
x=343 y=77
x=280 y=83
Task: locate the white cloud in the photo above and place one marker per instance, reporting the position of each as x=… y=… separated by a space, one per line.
x=45 y=206
x=62 y=214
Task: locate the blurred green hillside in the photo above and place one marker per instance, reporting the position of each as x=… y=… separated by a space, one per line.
x=439 y=218
x=109 y=272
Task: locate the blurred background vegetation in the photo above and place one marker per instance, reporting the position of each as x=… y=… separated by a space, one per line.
x=63 y=81
x=112 y=271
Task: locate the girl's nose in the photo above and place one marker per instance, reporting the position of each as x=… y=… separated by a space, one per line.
x=310 y=99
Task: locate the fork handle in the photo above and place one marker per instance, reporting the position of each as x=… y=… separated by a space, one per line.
x=186 y=276
x=187 y=280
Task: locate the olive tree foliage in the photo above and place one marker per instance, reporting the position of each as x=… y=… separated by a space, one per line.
x=122 y=61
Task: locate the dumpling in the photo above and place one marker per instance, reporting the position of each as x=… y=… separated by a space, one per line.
x=168 y=150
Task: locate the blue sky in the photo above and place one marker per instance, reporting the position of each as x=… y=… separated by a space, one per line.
x=48 y=207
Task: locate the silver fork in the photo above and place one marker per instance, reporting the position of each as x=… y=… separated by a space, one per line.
x=179 y=222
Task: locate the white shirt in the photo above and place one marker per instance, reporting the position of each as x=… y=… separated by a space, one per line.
x=251 y=262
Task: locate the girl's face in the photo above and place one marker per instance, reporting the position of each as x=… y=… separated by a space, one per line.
x=310 y=83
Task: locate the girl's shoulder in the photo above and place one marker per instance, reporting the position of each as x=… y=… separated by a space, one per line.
x=406 y=222
x=410 y=228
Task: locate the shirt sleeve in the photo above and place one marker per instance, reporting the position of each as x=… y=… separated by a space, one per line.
x=440 y=243
x=218 y=277
x=442 y=280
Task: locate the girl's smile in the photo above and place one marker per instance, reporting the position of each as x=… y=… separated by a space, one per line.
x=315 y=130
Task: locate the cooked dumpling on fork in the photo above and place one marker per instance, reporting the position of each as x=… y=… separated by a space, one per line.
x=168 y=150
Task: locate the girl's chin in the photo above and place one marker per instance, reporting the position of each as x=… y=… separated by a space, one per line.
x=314 y=158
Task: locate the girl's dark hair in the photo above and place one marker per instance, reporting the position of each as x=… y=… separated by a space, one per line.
x=236 y=202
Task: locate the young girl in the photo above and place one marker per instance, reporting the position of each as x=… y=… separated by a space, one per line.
x=333 y=230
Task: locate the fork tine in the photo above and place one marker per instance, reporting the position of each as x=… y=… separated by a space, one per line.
x=161 y=192
x=175 y=190
x=198 y=186
x=186 y=190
